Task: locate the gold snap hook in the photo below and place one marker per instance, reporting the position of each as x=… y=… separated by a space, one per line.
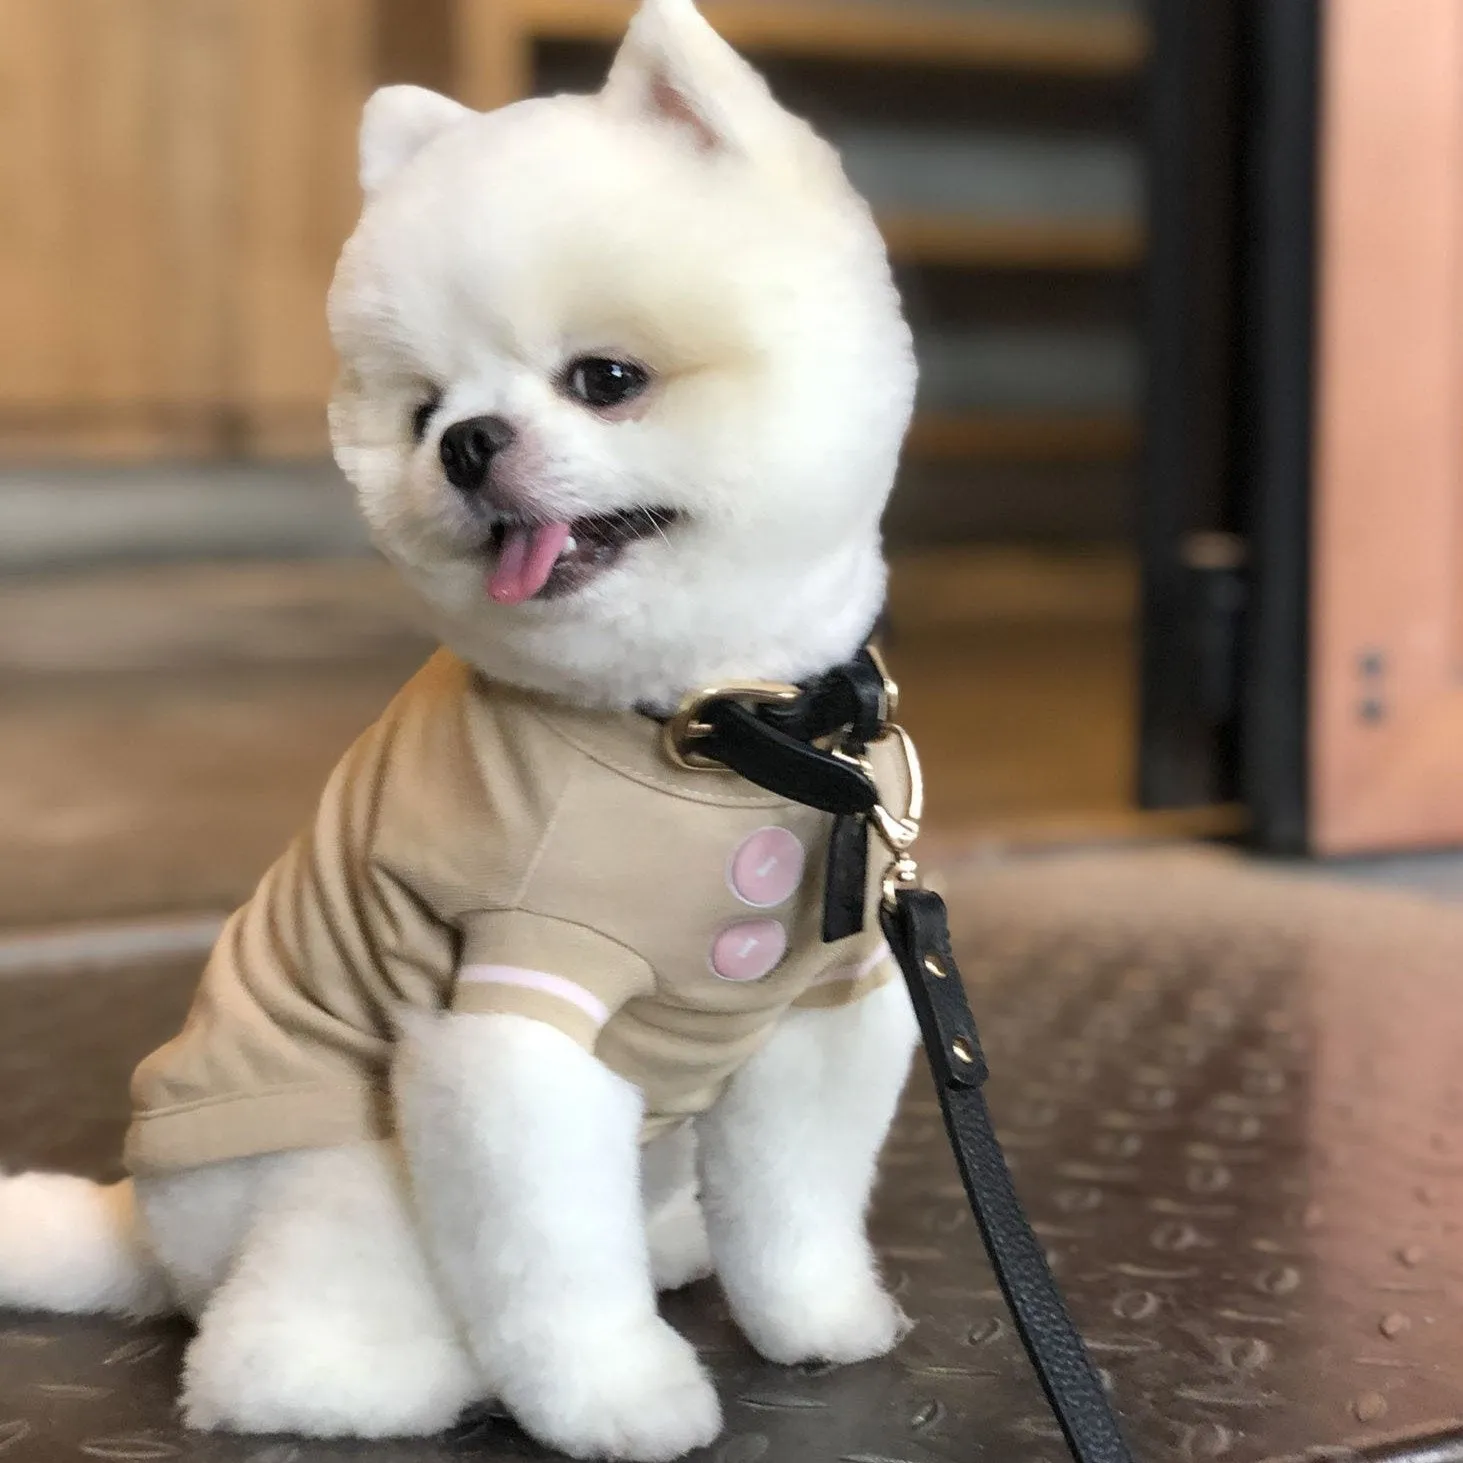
x=899 y=833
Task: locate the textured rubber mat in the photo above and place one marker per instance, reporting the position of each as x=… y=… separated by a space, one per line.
x=1233 y=1102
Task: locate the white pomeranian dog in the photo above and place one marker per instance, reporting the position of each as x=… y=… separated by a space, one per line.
x=530 y=1022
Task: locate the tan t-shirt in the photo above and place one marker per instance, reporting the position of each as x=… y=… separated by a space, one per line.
x=483 y=849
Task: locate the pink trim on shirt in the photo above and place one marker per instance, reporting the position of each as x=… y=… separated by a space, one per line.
x=866 y=966
x=540 y=981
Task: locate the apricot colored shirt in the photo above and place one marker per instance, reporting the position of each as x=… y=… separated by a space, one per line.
x=482 y=849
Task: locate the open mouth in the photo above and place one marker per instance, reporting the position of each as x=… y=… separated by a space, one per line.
x=533 y=560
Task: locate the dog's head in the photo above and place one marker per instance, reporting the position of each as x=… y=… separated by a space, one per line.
x=624 y=377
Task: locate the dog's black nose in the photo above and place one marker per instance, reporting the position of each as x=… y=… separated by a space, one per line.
x=468 y=447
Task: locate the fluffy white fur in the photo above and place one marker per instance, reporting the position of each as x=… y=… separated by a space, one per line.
x=509 y=1245
x=72 y=1246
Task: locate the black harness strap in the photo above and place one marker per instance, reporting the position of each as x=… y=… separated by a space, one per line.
x=774 y=747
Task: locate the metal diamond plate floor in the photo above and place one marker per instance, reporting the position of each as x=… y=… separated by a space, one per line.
x=1235 y=1106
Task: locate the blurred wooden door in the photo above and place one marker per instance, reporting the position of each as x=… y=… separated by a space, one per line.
x=1386 y=646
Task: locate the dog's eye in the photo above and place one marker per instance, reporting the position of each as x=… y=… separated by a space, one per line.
x=599 y=381
x=421 y=418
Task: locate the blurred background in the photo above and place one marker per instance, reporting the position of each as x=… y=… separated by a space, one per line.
x=1107 y=537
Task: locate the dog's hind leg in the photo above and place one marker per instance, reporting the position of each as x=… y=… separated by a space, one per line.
x=328 y=1322
x=674 y=1225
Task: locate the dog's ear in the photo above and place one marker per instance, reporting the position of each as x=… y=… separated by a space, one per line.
x=673 y=68
x=397 y=123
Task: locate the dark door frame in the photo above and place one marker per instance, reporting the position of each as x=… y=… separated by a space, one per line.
x=1225 y=478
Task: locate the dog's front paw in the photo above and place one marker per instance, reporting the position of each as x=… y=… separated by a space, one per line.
x=639 y=1395
x=844 y=1320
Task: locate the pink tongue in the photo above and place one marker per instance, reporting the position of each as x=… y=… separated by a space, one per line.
x=525 y=561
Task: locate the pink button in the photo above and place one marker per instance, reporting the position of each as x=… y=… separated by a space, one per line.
x=767 y=868
x=749 y=950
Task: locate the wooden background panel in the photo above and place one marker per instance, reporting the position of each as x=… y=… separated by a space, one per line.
x=110 y=275
x=176 y=178
x=112 y=301
x=76 y=83
x=34 y=206
x=187 y=149
x=305 y=72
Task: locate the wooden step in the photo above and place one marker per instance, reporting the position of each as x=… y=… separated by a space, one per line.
x=1071 y=45
x=989 y=243
x=1035 y=436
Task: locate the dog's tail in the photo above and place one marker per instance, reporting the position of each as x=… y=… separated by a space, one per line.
x=69 y=1245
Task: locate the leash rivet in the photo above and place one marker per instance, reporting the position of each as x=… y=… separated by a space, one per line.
x=963 y=1050
x=935 y=967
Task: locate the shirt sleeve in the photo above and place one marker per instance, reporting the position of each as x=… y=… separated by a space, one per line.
x=859 y=972
x=552 y=970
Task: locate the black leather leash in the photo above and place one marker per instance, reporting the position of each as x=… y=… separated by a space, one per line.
x=809 y=744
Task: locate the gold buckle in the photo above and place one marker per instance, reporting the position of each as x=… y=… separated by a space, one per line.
x=686 y=725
